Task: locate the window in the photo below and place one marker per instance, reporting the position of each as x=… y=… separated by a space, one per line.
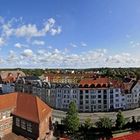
x=86 y=96
x=105 y=101
x=87 y=101
x=99 y=91
x=86 y=91
x=87 y=107
x=99 y=101
x=23 y=125
x=111 y=101
x=105 y=91
x=117 y=100
x=111 y=90
x=93 y=102
x=29 y=127
x=81 y=97
x=105 y=106
x=17 y=122
x=111 y=95
x=99 y=96
x=105 y=96
x=117 y=90
x=81 y=91
x=117 y=95
x=81 y=102
x=93 y=96
x=99 y=106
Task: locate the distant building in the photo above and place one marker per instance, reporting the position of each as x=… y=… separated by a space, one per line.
x=7 y=80
x=25 y=115
x=24 y=84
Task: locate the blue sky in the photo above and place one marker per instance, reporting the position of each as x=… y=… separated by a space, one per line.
x=69 y=33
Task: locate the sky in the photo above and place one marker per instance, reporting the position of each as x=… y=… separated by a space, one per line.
x=69 y=33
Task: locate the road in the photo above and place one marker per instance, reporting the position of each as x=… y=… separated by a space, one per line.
x=59 y=115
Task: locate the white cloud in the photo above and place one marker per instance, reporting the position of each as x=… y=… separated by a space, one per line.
x=73 y=45
x=135 y=44
x=122 y=60
x=60 y=58
x=27 y=53
x=50 y=47
x=16 y=27
x=19 y=45
x=38 y=42
x=83 y=44
x=2 y=41
x=55 y=31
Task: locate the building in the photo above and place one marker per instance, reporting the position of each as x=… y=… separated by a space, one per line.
x=100 y=94
x=7 y=106
x=25 y=115
x=11 y=76
x=24 y=84
x=7 y=80
x=66 y=78
x=66 y=93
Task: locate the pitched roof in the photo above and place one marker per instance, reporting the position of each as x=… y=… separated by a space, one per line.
x=31 y=108
x=8 y=101
x=26 y=106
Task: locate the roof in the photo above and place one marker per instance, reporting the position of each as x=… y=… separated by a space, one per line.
x=132 y=136
x=99 y=82
x=15 y=73
x=8 y=101
x=31 y=108
x=25 y=106
x=11 y=76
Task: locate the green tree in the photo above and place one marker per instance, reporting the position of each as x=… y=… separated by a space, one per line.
x=72 y=119
x=104 y=122
x=88 y=123
x=120 y=121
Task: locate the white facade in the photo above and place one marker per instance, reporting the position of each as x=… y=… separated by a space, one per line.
x=65 y=95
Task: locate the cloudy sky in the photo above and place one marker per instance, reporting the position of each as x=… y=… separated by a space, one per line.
x=69 y=33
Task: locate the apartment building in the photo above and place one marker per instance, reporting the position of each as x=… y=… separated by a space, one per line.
x=132 y=94
x=92 y=94
x=24 y=84
x=100 y=94
x=45 y=91
x=66 y=93
x=24 y=115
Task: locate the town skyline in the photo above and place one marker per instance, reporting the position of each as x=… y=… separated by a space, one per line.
x=69 y=34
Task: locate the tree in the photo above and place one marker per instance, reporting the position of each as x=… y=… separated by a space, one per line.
x=88 y=124
x=72 y=120
x=104 y=123
x=120 y=121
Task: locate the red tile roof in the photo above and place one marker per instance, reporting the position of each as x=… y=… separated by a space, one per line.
x=26 y=106
x=8 y=101
x=132 y=136
x=102 y=81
